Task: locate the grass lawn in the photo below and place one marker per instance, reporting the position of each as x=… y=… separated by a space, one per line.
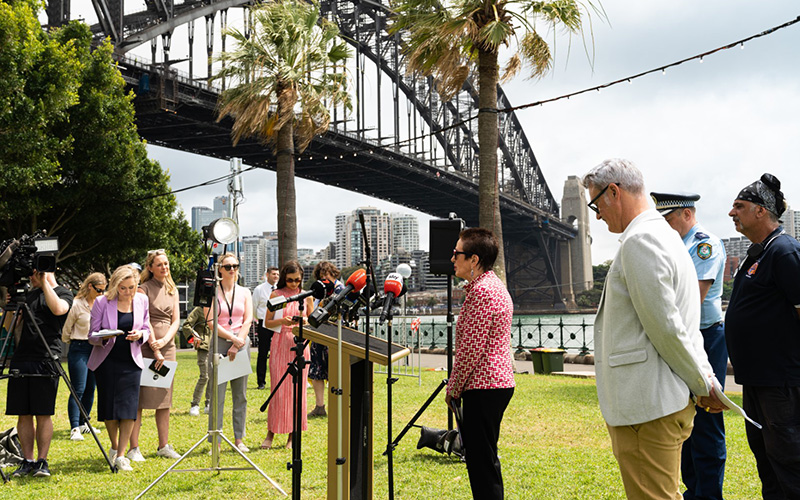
x=553 y=445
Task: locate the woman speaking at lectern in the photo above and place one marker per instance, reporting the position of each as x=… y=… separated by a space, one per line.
x=482 y=379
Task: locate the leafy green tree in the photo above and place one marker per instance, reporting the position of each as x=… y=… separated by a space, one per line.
x=109 y=203
x=449 y=39
x=591 y=298
x=38 y=85
x=282 y=78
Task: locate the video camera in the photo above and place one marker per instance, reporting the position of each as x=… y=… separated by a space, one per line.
x=19 y=257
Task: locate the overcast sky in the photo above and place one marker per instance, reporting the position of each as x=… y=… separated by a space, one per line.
x=710 y=127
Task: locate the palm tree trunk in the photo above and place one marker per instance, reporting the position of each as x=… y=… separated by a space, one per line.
x=488 y=184
x=285 y=196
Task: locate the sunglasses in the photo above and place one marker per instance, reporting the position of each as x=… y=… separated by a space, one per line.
x=592 y=203
x=294 y=280
x=98 y=289
x=456 y=253
x=229 y=267
x=160 y=250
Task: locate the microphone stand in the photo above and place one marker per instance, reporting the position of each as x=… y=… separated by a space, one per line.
x=296 y=465
x=367 y=406
x=389 y=382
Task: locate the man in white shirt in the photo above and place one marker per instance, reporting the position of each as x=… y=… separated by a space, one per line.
x=261 y=295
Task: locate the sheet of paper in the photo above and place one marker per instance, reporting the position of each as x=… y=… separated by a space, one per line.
x=733 y=406
x=153 y=379
x=278 y=315
x=239 y=367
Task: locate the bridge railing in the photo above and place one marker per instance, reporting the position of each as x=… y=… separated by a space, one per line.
x=572 y=334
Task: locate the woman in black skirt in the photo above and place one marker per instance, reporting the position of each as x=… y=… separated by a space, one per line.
x=117 y=360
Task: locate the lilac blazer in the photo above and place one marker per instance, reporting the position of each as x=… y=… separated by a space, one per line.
x=104 y=315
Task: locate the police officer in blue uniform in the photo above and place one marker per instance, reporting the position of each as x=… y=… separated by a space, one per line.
x=704 y=453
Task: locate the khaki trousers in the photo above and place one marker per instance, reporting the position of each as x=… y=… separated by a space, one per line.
x=649 y=455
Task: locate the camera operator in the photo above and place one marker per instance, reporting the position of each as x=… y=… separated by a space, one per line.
x=36 y=396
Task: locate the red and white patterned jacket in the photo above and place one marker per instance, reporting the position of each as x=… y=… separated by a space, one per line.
x=483 y=357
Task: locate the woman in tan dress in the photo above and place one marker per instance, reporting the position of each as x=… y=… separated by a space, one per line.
x=157 y=284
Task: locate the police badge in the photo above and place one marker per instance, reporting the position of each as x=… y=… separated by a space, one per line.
x=704 y=250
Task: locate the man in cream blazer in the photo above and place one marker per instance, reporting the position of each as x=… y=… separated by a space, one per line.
x=649 y=356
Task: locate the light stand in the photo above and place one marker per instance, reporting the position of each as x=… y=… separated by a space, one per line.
x=389 y=382
x=298 y=381
x=367 y=406
x=223 y=231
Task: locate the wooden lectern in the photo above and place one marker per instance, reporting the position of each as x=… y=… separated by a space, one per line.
x=352 y=386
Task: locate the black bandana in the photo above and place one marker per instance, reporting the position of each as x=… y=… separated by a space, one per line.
x=765 y=192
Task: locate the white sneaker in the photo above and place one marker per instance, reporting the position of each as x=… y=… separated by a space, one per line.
x=243 y=448
x=85 y=429
x=75 y=434
x=123 y=463
x=135 y=455
x=194 y=411
x=112 y=454
x=167 y=452
x=206 y=410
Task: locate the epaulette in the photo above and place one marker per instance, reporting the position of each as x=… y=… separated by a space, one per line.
x=701 y=235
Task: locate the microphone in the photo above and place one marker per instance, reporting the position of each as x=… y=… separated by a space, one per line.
x=319 y=290
x=392 y=288
x=355 y=283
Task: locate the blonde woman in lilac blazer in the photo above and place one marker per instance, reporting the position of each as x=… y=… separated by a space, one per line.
x=117 y=361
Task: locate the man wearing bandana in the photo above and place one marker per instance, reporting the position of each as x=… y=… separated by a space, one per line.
x=762 y=330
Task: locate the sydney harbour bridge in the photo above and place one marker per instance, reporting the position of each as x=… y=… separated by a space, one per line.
x=399 y=143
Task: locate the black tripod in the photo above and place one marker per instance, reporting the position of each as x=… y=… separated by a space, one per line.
x=20 y=307
x=442 y=384
x=295 y=369
x=390 y=445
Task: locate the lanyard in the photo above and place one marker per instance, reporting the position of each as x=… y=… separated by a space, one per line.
x=229 y=304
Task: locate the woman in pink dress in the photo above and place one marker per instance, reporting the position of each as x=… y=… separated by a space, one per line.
x=280 y=414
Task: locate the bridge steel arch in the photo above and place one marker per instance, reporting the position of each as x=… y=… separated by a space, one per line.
x=178 y=112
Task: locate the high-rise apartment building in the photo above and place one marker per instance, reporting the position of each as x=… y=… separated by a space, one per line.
x=405 y=233
x=387 y=234
x=253 y=260
x=203 y=216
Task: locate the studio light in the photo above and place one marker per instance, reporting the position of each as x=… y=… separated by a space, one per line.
x=223 y=230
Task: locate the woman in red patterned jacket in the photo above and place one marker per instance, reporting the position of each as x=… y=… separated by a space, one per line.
x=483 y=370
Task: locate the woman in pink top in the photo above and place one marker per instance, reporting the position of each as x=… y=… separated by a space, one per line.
x=483 y=370
x=235 y=306
x=281 y=411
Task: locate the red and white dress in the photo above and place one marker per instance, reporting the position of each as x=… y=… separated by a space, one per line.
x=280 y=412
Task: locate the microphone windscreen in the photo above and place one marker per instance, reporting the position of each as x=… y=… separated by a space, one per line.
x=358 y=279
x=393 y=284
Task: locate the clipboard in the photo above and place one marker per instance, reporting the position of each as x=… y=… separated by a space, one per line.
x=153 y=379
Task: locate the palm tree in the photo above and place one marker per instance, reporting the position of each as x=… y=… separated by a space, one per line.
x=283 y=76
x=446 y=40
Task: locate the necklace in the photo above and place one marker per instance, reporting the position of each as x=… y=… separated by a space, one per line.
x=230 y=304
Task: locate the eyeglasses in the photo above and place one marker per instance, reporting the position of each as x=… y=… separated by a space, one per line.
x=592 y=204
x=98 y=290
x=228 y=267
x=456 y=253
x=294 y=280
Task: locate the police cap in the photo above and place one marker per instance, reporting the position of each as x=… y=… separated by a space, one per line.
x=667 y=202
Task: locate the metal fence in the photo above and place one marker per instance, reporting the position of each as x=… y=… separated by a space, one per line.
x=573 y=334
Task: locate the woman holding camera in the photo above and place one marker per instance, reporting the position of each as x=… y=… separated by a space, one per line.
x=117 y=360
x=482 y=378
x=76 y=334
x=235 y=313
x=162 y=294
x=281 y=410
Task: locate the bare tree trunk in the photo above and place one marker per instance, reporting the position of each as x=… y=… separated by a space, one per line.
x=488 y=185
x=285 y=196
